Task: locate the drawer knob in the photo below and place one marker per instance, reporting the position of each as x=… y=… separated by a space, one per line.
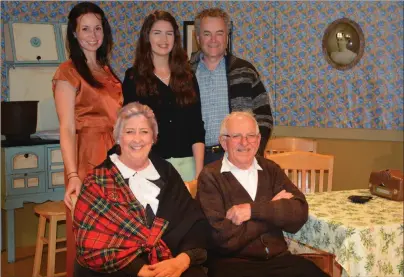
x=38 y=58
x=26 y=155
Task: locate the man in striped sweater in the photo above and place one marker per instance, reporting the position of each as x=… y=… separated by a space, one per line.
x=226 y=83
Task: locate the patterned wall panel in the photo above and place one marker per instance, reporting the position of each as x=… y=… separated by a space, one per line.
x=283 y=40
x=251 y=25
x=309 y=92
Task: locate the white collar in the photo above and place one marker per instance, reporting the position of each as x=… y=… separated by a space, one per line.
x=140 y=183
x=149 y=173
x=227 y=166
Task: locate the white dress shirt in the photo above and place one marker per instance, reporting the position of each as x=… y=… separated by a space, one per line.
x=144 y=190
x=248 y=178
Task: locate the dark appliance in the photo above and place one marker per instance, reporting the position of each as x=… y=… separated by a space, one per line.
x=18 y=119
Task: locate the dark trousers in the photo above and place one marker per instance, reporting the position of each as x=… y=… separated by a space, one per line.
x=79 y=271
x=211 y=157
x=282 y=266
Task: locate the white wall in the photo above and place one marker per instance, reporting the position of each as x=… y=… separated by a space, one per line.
x=35 y=83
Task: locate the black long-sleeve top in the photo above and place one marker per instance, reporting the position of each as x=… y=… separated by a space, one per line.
x=179 y=127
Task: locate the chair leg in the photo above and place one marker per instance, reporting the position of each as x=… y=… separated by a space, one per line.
x=39 y=246
x=63 y=249
x=50 y=272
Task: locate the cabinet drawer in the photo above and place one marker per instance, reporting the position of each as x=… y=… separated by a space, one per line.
x=20 y=160
x=55 y=167
x=25 y=183
x=55 y=159
x=56 y=179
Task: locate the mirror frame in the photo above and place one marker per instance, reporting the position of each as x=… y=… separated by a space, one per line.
x=331 y=30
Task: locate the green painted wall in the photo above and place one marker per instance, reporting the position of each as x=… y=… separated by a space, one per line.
x=354 y=160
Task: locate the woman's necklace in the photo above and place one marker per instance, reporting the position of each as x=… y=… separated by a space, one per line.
x=163 y=79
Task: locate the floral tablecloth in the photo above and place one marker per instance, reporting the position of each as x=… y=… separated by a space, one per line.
x=367 y=239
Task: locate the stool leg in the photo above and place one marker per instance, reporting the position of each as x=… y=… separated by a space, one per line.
x=50 y=272
x=39 y=246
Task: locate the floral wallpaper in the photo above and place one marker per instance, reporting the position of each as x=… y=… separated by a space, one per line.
x=309 y=92
x=283 y=40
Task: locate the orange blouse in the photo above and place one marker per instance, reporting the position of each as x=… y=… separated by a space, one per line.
x=95 y=114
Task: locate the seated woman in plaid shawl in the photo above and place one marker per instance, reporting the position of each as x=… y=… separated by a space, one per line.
x=134 y=215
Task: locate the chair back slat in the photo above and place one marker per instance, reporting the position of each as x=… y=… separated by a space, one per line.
x=313 y=176
x=330 y=175
x=294 y=172
x=303 y=164
x=304 y=180
x=321 y=180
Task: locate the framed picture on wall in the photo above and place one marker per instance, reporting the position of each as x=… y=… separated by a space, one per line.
x=190 y=42
x=343 y=43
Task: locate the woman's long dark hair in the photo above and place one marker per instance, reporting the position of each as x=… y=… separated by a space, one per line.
x=181 y=81
x=76 y=53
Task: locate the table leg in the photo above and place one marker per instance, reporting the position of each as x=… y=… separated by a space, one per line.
x=10 y=236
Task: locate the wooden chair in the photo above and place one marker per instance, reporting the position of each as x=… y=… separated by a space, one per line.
x=288 y=144
x=324 y=261
x=54 y=212
x=192 y=186
x=311 y=166
x=73 y=197
x=300 y=166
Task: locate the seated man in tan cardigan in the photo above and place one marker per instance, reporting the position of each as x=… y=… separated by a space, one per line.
x=249 y=201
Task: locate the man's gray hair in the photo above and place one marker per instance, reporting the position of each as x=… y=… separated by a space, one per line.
x=212 y=12
x=223 y=126
x=131 y=110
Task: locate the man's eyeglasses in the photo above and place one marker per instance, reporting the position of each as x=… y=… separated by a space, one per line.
x=251 y=138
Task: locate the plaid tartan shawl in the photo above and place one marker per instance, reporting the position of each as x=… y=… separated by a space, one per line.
x=110 y=224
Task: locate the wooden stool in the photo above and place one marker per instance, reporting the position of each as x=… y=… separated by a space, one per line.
x=54 y=212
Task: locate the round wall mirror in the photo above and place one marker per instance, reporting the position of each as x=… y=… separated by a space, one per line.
x=343 y=43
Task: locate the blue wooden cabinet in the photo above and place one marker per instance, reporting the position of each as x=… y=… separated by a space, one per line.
x=32 y=173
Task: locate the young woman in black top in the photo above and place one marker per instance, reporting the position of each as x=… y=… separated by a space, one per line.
x=162 y=79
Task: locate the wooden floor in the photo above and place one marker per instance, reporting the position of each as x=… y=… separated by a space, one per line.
x=22 y=267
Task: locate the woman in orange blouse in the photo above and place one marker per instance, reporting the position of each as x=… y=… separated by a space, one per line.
x=88 y=96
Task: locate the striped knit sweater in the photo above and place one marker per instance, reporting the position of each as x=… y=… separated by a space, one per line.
x=246 y=93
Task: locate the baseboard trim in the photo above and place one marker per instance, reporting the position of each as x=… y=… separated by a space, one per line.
x=337 y=133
